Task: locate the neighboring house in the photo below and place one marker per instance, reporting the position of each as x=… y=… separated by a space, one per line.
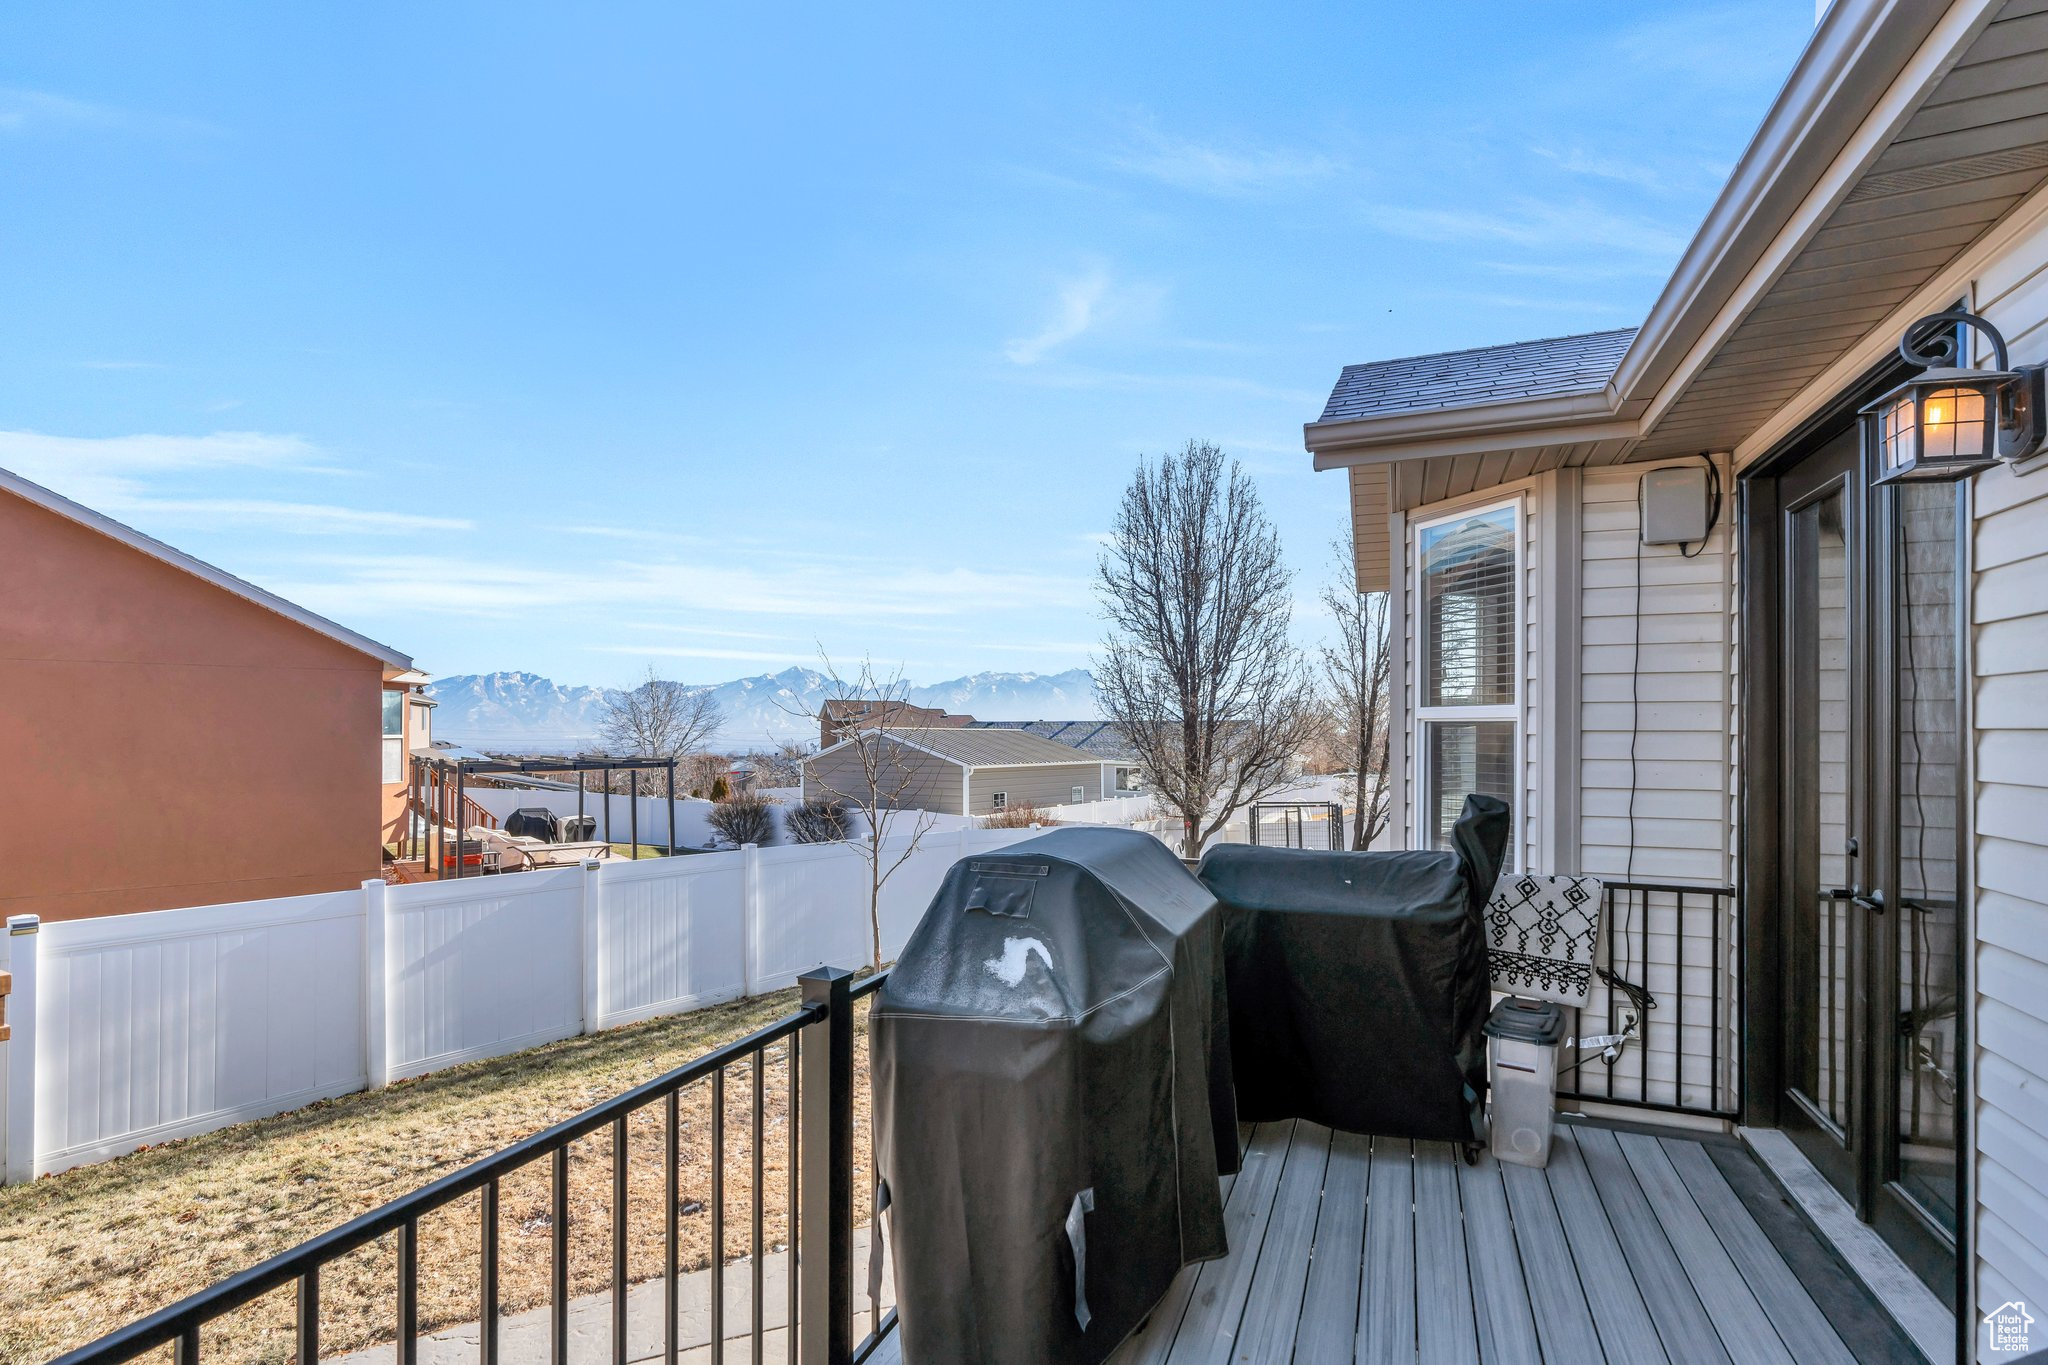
x=1122 y=773
x=837 y=718
x=173 y=735
x=1835 y=701
x=959 y=771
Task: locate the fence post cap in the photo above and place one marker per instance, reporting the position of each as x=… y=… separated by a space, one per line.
x=369 y=882
x=745 y=847
x=592 y=864
x=24 y=924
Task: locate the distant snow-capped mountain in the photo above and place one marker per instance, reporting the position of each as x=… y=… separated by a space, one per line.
x=524 y=711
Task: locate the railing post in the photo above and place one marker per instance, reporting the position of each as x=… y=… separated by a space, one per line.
x=19 y=1137
x=592 y=911
x=376 y=987
x=825 y=1209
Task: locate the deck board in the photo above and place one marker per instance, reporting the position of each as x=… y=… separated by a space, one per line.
x=1386 y=1301
x=1744 y=1327
x=1273 y=1309
x=1627 y=1249
x=1803 y=1327
x=1449 y=1334
x=1682 y=1323
x=1500 y=1297
x=1329 y=1306
x=1628 y=1332
x=1208 y=1330
x=1564 y=1323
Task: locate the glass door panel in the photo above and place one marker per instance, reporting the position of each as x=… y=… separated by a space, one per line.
x=1926 y=727
x=1817 y=806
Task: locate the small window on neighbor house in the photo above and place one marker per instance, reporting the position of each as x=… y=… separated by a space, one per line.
x=394 y=714
x=1000 y=801
x=1080 y=795
x=1471 y=662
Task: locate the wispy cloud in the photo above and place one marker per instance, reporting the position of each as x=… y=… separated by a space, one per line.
x=298 y=518
x=124 y=476
x=1229 y=168
x=1531 y=223
x=1076 y=309
x=1085 y=377
x=24 y=112
x=834 y=590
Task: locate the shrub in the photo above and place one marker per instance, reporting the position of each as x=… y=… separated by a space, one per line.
x=742 y=819
x=815 y=822
x=719 y=789
x=1023 y=815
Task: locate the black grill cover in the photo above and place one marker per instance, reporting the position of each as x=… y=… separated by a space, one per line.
x=1053 y=1033
x=536 y=822
x=1358 y=987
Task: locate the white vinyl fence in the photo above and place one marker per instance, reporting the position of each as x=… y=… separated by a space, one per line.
x=135 y=1029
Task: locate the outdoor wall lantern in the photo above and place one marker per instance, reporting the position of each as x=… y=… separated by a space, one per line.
x=1948 y=422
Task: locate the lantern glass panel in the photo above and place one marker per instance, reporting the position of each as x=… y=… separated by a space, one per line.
x=1955 y=424
x=1896 y=443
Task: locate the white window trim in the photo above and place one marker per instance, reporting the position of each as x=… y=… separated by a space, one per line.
x=1422 y=716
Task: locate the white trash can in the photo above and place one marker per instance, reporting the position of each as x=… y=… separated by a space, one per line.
x=1522 y=1073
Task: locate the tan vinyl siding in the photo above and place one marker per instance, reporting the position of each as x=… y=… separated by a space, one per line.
x=920 y=781
x=1048 y=786
x=2009 y=697
x=1672 y=685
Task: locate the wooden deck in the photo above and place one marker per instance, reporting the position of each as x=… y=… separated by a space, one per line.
x=1627 y=1248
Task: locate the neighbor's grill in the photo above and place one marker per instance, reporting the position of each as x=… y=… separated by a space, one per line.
x=1678 y=944
x=816 y=1042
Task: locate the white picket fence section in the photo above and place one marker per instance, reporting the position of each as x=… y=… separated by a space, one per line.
x=136 y=1029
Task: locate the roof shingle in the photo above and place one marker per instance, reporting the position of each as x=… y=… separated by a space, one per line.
x=993 y=748
x=1485 y=374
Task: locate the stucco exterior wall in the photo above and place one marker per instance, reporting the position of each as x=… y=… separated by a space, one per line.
x=166 y=742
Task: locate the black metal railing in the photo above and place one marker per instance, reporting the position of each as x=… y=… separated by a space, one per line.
x=816 y=1041
x=1669 y=990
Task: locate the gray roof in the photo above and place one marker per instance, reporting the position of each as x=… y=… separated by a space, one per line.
x=1096 y=737
x=992 y=748
x=1485 y=374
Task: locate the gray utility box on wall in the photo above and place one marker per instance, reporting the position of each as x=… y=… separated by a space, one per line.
x=1674 y=505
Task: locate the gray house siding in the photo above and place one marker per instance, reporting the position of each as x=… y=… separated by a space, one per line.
x=927 y=781
x=1052 y=785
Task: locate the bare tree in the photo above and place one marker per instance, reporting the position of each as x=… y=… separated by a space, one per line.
x=878 y=777
x=1197 y=669
x=1355 y=671
x=660 y=718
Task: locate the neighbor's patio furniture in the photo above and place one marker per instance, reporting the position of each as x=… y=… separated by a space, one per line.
x=521 y=852
x=1052 y=1099
x=1358 y=990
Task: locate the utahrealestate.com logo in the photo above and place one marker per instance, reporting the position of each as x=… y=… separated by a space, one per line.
x=2008 y=1324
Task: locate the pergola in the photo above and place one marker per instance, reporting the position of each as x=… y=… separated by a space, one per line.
x=438 y=789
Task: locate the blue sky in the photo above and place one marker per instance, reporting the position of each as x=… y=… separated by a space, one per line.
x=577 y=338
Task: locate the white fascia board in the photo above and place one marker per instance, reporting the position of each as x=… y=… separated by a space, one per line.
x=220 y=578
x=1483 y=441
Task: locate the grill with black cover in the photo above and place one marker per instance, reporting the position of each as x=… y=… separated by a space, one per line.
x=1052 y=1099
x=1358 y=985
x=534 y=822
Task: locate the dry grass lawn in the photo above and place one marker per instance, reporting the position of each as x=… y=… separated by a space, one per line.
x=96 y=1247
